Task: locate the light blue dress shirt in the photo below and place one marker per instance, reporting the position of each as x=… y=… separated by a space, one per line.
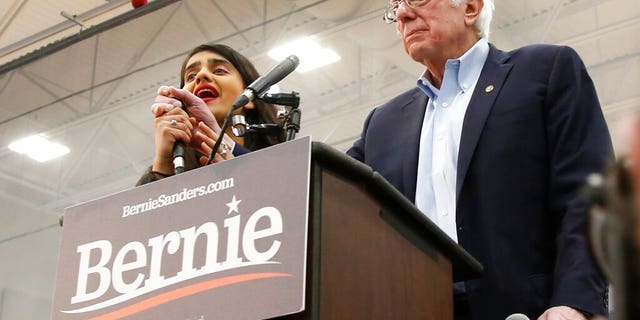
x=440 y=136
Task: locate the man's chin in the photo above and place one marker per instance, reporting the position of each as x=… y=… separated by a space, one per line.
x=416 y=50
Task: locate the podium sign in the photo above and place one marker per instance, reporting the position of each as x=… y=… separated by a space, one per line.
x=225 y=241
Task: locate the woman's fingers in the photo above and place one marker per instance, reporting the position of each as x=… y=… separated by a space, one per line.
x=178 y=124
x=168 y=130
x=174 y=128
x=164 y=102
x=208 y=131
x=205 y=142
x=174 y=97
x=208 y=139
x=197 y=108
x=201 y=133
x=219 y=156
x=198 y=127
x=212 y=132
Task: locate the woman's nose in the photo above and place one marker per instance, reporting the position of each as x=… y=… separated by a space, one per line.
x=203 y=75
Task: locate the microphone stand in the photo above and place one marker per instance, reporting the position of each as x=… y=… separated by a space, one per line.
x=293 y=125
x=255 y=89
x=239 y=103
x=240 y=127
x=292 y=119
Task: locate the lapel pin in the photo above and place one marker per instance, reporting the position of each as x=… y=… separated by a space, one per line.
x=489 y=88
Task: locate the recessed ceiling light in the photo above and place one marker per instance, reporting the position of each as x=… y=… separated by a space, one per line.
x=310 y=53
x=38 y=148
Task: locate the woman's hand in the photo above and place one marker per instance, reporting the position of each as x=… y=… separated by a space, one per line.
x=197 y=109
x=201 y=132
x=172 y=123
x=209 y=138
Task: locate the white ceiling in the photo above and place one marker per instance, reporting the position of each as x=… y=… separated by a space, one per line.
x=90 y=87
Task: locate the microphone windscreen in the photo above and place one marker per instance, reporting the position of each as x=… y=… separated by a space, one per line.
x=517 y=316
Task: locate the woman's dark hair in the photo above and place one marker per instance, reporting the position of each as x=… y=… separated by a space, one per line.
x=262 y=113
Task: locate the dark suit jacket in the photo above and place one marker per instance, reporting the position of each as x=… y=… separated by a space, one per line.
x=532 y=133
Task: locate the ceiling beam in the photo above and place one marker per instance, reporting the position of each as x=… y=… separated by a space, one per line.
x=46 y=90
x=11 y=14
x=63 y=181
x=85 y=34
x=230 y=21
x=524 y=25
x=551 y=18
x=601 y=32
x=128 y=73
x=136 y=58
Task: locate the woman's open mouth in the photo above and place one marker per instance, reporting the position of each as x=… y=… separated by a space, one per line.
x=206 y=92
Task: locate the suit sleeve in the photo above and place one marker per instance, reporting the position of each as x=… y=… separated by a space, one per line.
x=579 y=144
x=239 y=150
x=358 y=149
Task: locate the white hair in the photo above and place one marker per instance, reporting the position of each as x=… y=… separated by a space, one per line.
x=483 y=24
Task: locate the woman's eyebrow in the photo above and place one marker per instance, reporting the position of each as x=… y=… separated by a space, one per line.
x=216 y=61
x=212 y=61
x=193 y=65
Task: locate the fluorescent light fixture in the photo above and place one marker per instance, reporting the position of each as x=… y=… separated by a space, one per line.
x=38 y=148
x=310 y=53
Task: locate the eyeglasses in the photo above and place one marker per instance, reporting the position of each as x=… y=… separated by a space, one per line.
x=392 y=9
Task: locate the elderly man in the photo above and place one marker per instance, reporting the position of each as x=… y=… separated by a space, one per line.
x=494 y=147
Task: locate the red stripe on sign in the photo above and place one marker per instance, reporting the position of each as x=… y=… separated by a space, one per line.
x=184 y=292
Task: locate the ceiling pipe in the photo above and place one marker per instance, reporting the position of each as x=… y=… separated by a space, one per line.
x=73 y=18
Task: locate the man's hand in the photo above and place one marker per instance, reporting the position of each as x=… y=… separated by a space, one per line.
x=194 y=105
x=562 y=313
x=198 y=110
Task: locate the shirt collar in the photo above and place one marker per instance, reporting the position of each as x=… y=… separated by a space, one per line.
x=469 y=66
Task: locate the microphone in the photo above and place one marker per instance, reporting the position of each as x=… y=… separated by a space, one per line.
x=178 y=157
x=517 y=316
x=178 y=150
x=263 y=83
x=255 y=89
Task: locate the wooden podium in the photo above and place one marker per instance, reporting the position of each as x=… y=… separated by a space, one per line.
x=371 y=253
x=282 y=231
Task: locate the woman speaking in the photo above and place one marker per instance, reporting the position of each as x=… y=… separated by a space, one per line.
x=211 y=78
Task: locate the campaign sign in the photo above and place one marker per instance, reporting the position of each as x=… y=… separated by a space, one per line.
x=225 y=241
